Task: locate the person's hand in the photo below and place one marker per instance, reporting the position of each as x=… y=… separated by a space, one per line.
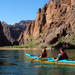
x=39 y=56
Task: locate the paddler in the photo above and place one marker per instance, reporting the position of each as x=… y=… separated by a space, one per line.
x=44 y=53
x=62 y=55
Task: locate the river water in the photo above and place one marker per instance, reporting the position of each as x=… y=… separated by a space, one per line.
x=14 y=62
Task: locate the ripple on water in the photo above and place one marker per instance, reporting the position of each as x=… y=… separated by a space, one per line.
x=15 y=63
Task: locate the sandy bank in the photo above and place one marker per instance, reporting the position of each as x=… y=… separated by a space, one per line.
x=23 y=48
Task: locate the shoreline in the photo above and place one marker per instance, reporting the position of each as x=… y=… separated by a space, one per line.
x=20 y=48
x=27 y=49
x=23 y=48
x=11 y=48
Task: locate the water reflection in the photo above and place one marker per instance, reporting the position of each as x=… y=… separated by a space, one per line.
x=14 y=63
x=10 y=62
x=57 y=70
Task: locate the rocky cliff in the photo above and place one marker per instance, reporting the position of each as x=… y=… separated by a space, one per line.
x=22 y=24
x=12 y=32
x=18 y=28
x=3 y=39
x=54 y=21
x=6 y=31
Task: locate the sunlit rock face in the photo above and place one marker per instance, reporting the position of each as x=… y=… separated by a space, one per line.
x=54 y=20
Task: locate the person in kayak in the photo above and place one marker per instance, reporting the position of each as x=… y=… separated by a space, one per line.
x=44 y=53
x=62 y=55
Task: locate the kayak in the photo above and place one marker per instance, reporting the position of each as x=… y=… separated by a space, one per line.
x=49 y=60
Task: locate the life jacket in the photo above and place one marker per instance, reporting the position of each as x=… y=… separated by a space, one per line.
x=64 y=55
x=44 y=54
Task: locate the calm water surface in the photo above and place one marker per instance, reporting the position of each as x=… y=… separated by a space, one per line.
x=13 y=62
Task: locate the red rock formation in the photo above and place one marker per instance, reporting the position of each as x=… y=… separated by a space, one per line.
x=55 y=19
x=12 y=32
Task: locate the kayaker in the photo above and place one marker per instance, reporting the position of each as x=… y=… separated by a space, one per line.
x=62 y=55
x=44 y=53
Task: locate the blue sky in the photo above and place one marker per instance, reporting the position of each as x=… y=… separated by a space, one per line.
x=12 y=11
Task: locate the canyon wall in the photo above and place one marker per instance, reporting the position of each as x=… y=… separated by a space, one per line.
x=55 y=20
x=3 y=39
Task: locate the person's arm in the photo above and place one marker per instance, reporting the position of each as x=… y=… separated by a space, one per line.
x=39 y=56
x=56 y=59
x=59 y=57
